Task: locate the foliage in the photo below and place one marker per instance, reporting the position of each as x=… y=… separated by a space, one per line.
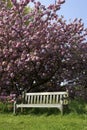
x=39 y=47
x=6 y=107
x=6 y=103
x=78 y=106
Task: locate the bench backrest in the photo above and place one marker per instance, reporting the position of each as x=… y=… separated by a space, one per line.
x=46 y=98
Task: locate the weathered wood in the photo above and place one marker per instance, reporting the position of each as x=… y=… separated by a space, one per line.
x=14 y=108
x=44 y=99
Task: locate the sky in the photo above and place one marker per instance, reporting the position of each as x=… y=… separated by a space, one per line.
x=71 y=9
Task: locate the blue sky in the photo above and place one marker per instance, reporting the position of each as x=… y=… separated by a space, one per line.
x=71 y=9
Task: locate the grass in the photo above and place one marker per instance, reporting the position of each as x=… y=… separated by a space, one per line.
x=43 y=122
x=47 y=119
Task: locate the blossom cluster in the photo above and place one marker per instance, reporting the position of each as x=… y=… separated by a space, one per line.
x=39 y=46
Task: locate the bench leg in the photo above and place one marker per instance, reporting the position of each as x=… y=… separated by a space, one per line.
x=14 y=108
x=61 y=109
x=21 y=109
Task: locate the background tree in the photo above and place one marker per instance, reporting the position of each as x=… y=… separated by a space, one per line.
x=39 y=48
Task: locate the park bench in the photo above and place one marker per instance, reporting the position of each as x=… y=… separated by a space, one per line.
x=43 y=100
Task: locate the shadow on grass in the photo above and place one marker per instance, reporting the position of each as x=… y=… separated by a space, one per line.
x=40 y=111
x=43 y=111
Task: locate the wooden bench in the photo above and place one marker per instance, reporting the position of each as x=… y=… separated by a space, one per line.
x=43 y=100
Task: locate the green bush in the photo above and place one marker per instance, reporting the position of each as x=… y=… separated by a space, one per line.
x=78 y=106
x=6 y=107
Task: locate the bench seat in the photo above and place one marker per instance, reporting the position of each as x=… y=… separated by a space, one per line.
x=39 y=105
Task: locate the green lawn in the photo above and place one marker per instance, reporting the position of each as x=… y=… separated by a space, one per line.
x=75 y=118
x=43 y=122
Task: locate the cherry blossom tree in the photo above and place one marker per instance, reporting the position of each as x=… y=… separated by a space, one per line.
x=39 y=47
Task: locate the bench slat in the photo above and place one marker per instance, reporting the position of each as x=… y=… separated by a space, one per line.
x=57 y=99
x=40 y=99
x=47 y=93
x=50 y=99
x=34 y=99
x=44 y=97
x=28 y=99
